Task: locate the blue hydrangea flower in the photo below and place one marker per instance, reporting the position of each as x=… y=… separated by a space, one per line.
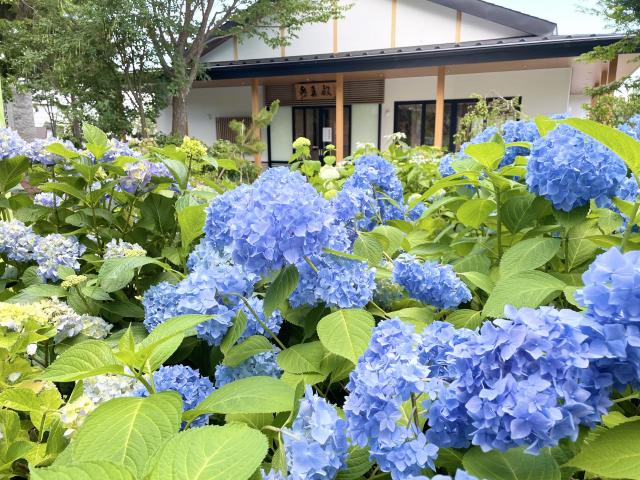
x=274 y=322
x=47 y=199
x=54 y=251
x=316 y=444
x=612 y=300
x=36 y=151
x=119 y=149
x=17 y=241
x=627 y=190
x=11 y=145
x=569 y=168
x=261 y=364
x=518 y=131
x=429 y=282
x=632 y=127
x=206 y=256
x=445 y=167
x=416 y=212
x=339 y=282
x=159 y=304
x=460 y=475
x=139 y=176
x=272 y=475
x=220 y=211
x=280 y=222
x=183 y=379
x=385 y=377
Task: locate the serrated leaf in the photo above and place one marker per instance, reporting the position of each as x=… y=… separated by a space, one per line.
x=513 y=464
x=98 y=470
x=475 y=212
x=248 y=395
x=488 y=154
x=211 y=453
x=250 y=347
x=521 y=211
x=302 y=358
x=11 y=172
x=346 y=332
x=465 y=318
x=128 y=431
x=93 y=134
x=358 y=464
x=235 y=332
x=191 y=221
x=280 y=289
x=86 y=359
x=529 y=254
x=524 y=289
x=478 y=280
x=369 y=247
x=116 y=273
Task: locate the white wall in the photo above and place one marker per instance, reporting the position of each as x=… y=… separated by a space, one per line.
x=364 y=124
x=543 y=92
x=475 y=28
x=576 y=101
x=366 y=25
x=424 y=23
x=282 y=135
x=205 y=104
x=223 y=53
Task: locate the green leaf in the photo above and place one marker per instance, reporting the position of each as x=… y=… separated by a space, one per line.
x=33 y=293
x=94 y=135
x=478 y=280
x=521 y=211
x=280 y=289
x=358 y=464
x=179 y=171
x=59 y=149
x=614 y=453
x=528 y=255
x=488 y=154
x=369 y=247
x=626 y=147
x=117 y=273
x=64 y=188
x=235 y=332
x=11 y=172
x=128 y=431
x=250 y=347
x=227 y=164
x=346 y=332
x=248 y=395
x=465 y=319
x=475 y=212
x=226 y=452
x=86 y=359
x=302 y=358
x=98 y=470
x=20 y=399
x=580 y=248
x=513 y=464
x=157 y=214
x=191 y=221
x=524 y=289
x=392 y=236
x=545 y=124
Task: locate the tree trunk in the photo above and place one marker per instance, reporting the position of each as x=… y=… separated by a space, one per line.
x=143 y=116
x=179 y=114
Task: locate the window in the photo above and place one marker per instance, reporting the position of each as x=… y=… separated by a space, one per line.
x=417 y=120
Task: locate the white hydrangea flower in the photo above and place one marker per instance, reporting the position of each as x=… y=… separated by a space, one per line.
x=120 y=249
x=31 y=349
x=73 y=414
x=328 y=172
x=102 y=388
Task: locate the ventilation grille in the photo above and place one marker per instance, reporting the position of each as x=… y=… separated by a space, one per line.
x=224 y=132
x=356 y=91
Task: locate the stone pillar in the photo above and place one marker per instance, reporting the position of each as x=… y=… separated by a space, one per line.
x=20 y=115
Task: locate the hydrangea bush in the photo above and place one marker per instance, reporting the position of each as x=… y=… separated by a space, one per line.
x=325 y=321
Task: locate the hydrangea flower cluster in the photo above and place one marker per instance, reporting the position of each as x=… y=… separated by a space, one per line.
x=56 y=250
x=192 y=387
x=220 y=212
x=429 y=282
x=632 y=127
x=102 y=388
x=628 y=191
x=159 y=304
x=612 y=300
x=119 y=149
x=140 y=174
x=261 y=364
x=17 y=241
x=385 y=377
x=118 y=248
x=47 y=199
x=460 y=475
x=569 y=168
x=316 y=444
x=37 y=152
x=11 y=145
x=338 y=282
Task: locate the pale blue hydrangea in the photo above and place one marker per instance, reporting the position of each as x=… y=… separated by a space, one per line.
x=339 y=282
x=118 y=248
x=47 y=199
x=220 y=212
x=429 y=282
x=445 y=168
x=632 y=127
x=206 y=256
x=255 y=327
x=57 y=250
x=611 y=296
x=102 y=388
x=518 y=131
x=11 y=145
x=385 y=377
x=71 y=325
x=627 y=190
x=569 y=169
x=262 y=364
x=36 y=151
x=460 y=475
x=160 y=304
x=17 y=241
x=282 y=220
x=192 y=387
x=119 y=149
x=316 y=445
x=273 y=475
x=139 y=176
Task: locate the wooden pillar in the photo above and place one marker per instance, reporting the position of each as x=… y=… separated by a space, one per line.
x=458 y=36
x=283 y=50
x=339 y=117
x=394 y=22
x=255 y=108
x=439 y=127
x=235 y=48
x=612 y=74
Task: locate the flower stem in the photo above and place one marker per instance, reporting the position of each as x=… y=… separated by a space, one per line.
x=498 y=194
x=264 y=325
x=310 y=263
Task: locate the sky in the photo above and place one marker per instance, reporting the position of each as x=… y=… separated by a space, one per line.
x=566 y=13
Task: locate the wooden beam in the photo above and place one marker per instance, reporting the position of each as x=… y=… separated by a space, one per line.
x=255 y=108
x=603 y=76
x=612 y=74
x=283 y=50
x=236 y=56
x=439 y=127
x=335 y=35
x=458 y=36
x=394 y=22
x=339 y=117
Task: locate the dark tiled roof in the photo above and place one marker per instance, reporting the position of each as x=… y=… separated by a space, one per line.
x=502 y=49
